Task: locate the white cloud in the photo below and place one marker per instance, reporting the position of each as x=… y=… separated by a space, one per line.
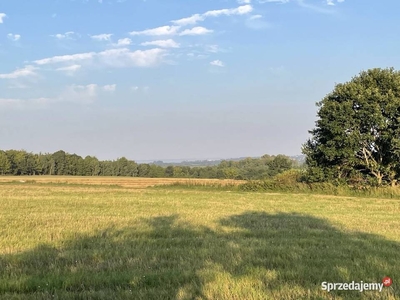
x=159 y=31
x=189 y=20
x=14 y=37
x=110 y=87
x=70 y=70
x=308 y=4
x=213 y=48
x=194 y=19
x=137 y=89
x=79 y=94
x=65 y=58
x=313 y=7
x=67 y=35
x=123 y=42
x=196 y=31
x=116 y=58
x=256 y=22
x=274 y=1
x=2 y=17
x=162 y=43
x=241 y=10
x=332 y=2
x=254 y=17
x=102 y=37
x=217 y=63
x=124 y=57
x=24 y=72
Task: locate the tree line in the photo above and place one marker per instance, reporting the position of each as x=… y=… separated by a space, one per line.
x=21 y=162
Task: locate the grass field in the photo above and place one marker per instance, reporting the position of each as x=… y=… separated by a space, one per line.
x=110 y=238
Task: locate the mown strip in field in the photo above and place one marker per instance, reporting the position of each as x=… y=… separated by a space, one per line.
x=128 y=182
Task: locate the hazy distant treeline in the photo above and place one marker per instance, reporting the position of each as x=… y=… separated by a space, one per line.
x=20 y=162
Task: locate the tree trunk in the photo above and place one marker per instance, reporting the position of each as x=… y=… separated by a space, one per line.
x=379 y=177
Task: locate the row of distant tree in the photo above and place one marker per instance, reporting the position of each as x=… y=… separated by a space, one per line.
x=20 y=162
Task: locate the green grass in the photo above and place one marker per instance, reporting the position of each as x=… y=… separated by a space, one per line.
x=70 y=242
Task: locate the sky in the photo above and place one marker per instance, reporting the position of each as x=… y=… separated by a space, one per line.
x=175 y=79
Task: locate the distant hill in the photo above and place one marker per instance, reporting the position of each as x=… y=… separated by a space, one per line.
x=212 y=162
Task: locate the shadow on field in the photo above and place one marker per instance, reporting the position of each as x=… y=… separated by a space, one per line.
x=256 y=256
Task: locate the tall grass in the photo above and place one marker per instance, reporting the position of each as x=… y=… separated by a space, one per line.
x=276 y=185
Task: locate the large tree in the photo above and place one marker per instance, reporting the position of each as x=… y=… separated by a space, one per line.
x=358 y=130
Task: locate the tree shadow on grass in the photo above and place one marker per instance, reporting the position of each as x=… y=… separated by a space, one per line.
x=304 y=251
x=252 y=256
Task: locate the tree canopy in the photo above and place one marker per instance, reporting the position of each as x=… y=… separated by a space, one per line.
x=20 y=162
x=357 y=135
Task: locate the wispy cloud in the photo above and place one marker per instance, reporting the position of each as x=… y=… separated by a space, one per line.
x=189 y=20
x=123 y=42
x=213 y=48
x=333 y=2
x=159 y=31
x=306 y=4
x=274 y=1
x=66 y=58
x=67 y=35
x=241 y=10
x=118 y=58
x=217 y=63
x=176 y=28
x=82 y=94
x=75 y=93
x=315 y=8
x=70 y=70
x=14 y=37
x=170 y=43
x=196 y=31
x=194 y=19
x=257 y=22
x=2 y=17
x=23 y=72
x=109 y=87
x=101 y=37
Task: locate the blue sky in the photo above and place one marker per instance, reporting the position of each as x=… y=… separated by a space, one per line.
x=180 y=79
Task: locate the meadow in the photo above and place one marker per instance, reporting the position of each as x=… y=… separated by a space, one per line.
x=121 y=238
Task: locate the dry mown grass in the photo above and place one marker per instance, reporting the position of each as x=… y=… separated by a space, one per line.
x=107 y=242
x=126 y=182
